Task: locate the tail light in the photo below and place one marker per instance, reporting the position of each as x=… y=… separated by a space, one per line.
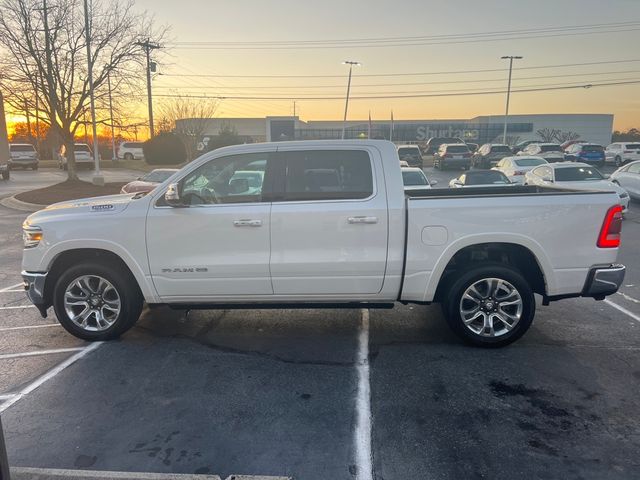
x=611 y=227
x=519 y=172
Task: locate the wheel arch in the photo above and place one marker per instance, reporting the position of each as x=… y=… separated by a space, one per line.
x=73 y=256
x=522 y=253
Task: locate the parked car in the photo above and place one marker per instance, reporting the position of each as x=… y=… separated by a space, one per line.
x=620 y=153
x=410 y=154
x=83 y=156
x=576 y=176
x=23 y=155
x=130 y=151
x=4 y=171
x=480 y=178
x=516 y=167
x=628 y=177
x=551 y=152
x=149 y=181
x=518 y=147
x=433 y=144
x=415 y=179
x=307 y=240
x=585 y=152
x=489 y=154
x=452 y=155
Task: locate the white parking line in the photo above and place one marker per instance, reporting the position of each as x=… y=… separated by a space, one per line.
x=36 y=353
x=362 y=434
x=622 y=309
x=28 y=327
x=12 y=288
x=49 y=375
x=16 y=307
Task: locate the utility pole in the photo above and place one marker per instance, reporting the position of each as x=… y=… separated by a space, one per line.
x=113 y=135
x=148 y=46
x=26 y=113
x=511 y=58
x=37 y=119
x=346 y=102
x=98 y=179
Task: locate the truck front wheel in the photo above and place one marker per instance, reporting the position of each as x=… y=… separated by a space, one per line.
x=97 y=301
x=491 y=305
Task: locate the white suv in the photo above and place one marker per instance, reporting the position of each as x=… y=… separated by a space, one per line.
x=130 y=151
x=622 y=152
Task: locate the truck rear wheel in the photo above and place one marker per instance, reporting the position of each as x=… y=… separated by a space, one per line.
x=491 y=305
x=96 y=301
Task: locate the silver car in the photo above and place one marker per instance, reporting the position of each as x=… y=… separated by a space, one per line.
x=628 y=177
x=23 y=155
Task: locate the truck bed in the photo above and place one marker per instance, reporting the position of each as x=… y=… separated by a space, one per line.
x=516 y=190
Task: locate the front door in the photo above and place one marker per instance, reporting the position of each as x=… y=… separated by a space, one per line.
x=328 y=223
x=218 y=244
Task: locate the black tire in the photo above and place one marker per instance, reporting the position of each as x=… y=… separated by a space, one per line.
x=618 y=161
x=122 y=281
x=128 y=156
x=6 y=175
x=456 y=288
x=35 y=168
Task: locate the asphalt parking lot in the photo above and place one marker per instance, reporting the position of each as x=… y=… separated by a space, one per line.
x=333 y=394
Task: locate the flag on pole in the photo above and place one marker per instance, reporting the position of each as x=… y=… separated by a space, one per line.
x=369 y=134
x=391 y=134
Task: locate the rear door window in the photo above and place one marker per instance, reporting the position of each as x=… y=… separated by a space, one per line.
x=21 y=148
x=326 y=175
x=633 y=146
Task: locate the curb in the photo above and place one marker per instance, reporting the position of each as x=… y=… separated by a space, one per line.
x=22 y=473
x=15 y=204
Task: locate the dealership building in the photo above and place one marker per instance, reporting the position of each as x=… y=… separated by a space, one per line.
x=595 y=128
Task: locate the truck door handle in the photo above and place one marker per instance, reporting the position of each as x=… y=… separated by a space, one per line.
x=247 y=223
x=362 y=219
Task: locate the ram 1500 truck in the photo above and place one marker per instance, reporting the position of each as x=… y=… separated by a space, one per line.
x=320 y=224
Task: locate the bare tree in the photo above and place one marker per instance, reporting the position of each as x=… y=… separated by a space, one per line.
x=188 y=118
x=547 y=134
x=562 y=137
x=45 y=54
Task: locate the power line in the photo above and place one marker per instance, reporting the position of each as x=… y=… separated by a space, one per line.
x=566 y=30
x=407 y=74
x=360 y=85
x=441 y=94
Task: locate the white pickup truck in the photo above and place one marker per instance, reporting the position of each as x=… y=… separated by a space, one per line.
x=320 y=224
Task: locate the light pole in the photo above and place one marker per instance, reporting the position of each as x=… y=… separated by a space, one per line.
x=506 y=113
x=98 y=179
x=346 y=102
x=113 y=135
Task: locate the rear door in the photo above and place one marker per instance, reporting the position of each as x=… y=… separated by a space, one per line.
x=329 y=223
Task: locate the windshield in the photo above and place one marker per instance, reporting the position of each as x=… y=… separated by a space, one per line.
x=457 y=149
x=408 y=151
x=22 y=148
x=411 y=178
x=501 y=149
x=487 y=177
x=157 y=176
x=577 y=174
x=550 y=148
x=529 y=162
x=81 y=148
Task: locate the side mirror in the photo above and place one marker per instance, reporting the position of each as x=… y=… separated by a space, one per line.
x=433 y=182
x=172 y=195
x=457 y=183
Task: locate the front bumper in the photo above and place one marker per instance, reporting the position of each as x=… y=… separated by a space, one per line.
x=34 y=287
x=603 y=280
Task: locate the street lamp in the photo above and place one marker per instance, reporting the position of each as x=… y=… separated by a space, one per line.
x=346 y=102
x=506 y=113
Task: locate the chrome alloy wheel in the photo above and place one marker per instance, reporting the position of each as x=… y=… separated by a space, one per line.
x=92 y=303
x=491 y=307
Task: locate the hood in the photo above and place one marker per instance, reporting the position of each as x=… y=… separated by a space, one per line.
x=107 y=205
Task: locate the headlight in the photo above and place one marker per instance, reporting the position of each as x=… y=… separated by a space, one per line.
x=31 y=236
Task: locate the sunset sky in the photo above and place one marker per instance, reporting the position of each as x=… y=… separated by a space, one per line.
x=288 y=20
